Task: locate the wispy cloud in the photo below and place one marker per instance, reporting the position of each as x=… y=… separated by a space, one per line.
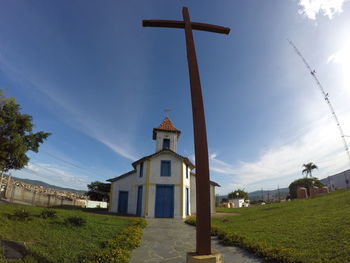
x=311 y=8
x=119 y=149
x=68 y=111
x=320 y=144
x=341 y=56
x=53 y=174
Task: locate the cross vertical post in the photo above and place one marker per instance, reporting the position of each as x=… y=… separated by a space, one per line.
x=203 y=229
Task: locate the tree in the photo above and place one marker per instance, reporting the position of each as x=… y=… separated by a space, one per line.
x=308 y=169
x=303 y=182
x=99 y=191
x=16 y=135
x=239 y=193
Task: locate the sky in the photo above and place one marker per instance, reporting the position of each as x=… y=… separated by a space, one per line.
x=89 y=73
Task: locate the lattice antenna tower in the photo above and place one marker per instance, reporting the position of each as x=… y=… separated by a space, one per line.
x=325 y=96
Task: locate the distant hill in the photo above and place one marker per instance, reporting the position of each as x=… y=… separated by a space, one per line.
x=269 y=194
x=46 y=185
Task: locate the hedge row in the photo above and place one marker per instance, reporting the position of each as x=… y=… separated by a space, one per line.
x=261 y=249
x=117 y=250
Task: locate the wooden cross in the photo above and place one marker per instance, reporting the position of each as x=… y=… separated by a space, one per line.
x=203 y=244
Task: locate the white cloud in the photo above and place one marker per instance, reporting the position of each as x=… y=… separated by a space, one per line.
x=320 y=144
x=53 y=174
x=342 y=56
x=329 y=8
x=119 y=149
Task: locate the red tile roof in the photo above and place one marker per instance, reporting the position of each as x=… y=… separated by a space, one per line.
x=166 y=125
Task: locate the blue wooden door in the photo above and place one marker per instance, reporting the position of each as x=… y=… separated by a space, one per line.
x=123 y=202
x=164 y=201
x=187 y=202
x=139 y=201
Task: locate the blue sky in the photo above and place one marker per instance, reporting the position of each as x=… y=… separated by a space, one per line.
x=89 y=73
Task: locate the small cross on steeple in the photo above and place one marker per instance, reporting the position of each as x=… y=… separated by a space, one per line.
x=167 y=111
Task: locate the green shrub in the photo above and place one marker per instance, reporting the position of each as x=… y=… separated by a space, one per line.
x=48 y=213
x=20 y=215
x=75 y=221
x=117 y=250
x=303 y=182
x=191 y=221
x=230 y=238
x=128 y=239
x=117 y=255
x=140 y=222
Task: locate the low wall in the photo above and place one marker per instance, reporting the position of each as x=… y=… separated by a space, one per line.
x=21 y=195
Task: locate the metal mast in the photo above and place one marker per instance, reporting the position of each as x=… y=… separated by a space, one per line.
x=325 y=96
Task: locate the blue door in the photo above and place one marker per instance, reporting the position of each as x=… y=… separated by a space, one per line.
x=139 y=201
x=187 y=202
x=164 y=201
x=123 y=202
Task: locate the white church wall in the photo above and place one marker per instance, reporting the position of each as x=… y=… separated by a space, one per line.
x=173 y=179
x=193 y=196
x=212 y=199
x=130 y=184
x=186 y=184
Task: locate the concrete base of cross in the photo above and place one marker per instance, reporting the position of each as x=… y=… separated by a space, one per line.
x=214 y=257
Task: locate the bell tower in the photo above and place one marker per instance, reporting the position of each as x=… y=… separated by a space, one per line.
x=166 y=135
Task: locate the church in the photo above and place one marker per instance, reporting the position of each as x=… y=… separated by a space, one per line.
x=161 y=185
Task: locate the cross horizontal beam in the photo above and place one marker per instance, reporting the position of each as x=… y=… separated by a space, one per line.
x=181 y=24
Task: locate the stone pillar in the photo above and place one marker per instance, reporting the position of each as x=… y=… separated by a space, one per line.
x=13 y=189
x=301 y=193
x=7 y=194
x=33 y=198
x=48 y=200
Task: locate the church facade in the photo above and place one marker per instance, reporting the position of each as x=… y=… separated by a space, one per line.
x=161 y=185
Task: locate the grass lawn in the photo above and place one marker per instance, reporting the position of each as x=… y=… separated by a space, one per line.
x=50 y=240
x=312 y=230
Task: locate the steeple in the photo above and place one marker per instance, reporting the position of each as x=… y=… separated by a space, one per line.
x=166 y=135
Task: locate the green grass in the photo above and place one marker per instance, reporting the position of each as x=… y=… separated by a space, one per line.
x=50 y=240
x=312 y=230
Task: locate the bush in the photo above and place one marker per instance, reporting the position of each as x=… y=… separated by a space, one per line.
x=228 y=237
x=303 y=182
x=117 y=250
x=48 y=213
x=75 y=221
x=20 y=215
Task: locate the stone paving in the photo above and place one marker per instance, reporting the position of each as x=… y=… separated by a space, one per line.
x=168 y=240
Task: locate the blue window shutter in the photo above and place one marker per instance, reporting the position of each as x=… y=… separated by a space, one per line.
x=165 y=168
x=186 y=171
x=141 y=169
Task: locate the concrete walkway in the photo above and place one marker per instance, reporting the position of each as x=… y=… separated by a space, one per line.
x=168 y=240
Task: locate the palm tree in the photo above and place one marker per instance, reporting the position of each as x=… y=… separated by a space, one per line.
x=308 y=169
